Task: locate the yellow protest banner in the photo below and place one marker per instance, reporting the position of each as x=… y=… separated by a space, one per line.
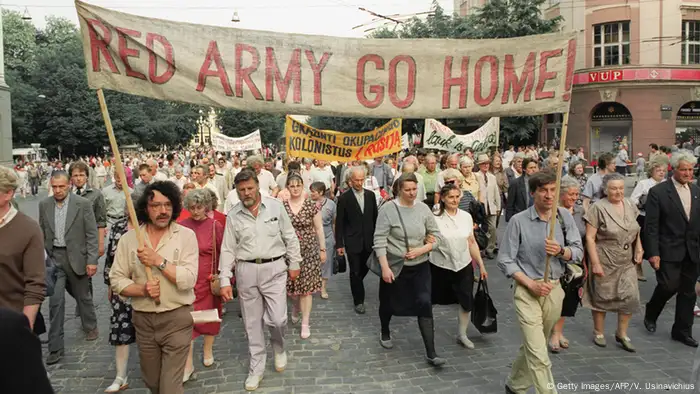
x=306 y=141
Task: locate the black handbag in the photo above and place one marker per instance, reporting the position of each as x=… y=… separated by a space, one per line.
x=339 y=264
x=481 y=238
x=483 y=311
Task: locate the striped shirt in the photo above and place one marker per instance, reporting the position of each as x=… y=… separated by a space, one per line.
x=60 y=222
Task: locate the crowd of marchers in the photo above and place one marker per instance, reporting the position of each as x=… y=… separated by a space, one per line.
x=272 y=231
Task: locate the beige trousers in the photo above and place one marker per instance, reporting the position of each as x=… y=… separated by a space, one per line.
x=536 y=317
x=164 y=344
x=262 y=292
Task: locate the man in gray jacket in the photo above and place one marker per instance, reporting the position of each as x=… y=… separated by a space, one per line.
x=70 y=237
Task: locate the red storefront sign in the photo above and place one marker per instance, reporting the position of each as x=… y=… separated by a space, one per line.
x=605 y=76
x=637 y=74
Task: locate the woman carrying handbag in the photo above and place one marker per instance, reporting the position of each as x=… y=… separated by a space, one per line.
x=399 y=249
x=209 y=234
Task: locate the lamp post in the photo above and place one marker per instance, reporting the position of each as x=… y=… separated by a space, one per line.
x=5 y=108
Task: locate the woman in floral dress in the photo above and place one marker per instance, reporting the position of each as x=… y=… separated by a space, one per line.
x=307 y=221
x=122 y=332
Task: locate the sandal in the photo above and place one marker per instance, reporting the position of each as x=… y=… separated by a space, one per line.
x=599 y=340
x=118 y=385
x=554 y=348
x=563 y=342
x=305 y=331
x=324 y=295
x=626 y=343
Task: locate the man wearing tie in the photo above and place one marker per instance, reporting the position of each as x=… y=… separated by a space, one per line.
x=354 y=232
x=519 y=197
x=70 y=237
x=672 y=231
x=491 y=198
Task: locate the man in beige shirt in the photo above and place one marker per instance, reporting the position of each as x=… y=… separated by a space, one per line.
x=259 y=237
x=162 y=306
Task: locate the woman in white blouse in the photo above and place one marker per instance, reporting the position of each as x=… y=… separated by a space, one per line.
x=656 y=173
x=451 y=270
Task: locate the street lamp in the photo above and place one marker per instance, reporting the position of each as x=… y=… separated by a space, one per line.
x=235 y=18
x=25 y=15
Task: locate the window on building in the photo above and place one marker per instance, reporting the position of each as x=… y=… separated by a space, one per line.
x=690 y=50
x=611 y=44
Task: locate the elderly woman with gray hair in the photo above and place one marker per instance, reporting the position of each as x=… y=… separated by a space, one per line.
x=209 y=234
x=570 y=189
x=613 y=248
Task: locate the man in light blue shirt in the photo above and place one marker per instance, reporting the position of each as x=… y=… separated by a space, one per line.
x=524 y=249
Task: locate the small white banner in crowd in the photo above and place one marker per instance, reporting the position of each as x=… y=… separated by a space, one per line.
x=224 y=143
x=439 y=136
x=405 y=141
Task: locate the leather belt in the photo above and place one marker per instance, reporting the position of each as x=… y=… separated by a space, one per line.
x=262 y=261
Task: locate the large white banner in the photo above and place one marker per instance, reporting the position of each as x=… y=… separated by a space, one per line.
x=224 y=143
x=439 y=136
x=317 y=75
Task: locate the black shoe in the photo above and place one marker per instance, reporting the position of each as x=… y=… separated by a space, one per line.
x=509 y=390
x=54 y=357
x=650 y=325
x=436 y=361
x=489 y=255
x=360 y=309
x=684 y=339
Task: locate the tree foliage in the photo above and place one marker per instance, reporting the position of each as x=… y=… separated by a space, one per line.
x=236 y=123
x=496 y=19
x=52 y=104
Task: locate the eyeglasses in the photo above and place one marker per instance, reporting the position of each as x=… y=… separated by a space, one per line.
x=160 y=205
x=452 y=182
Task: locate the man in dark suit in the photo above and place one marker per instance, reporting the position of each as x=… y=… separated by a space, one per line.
x=70 y=237
x=519 y=198
x=354 y=231
x=672 y=231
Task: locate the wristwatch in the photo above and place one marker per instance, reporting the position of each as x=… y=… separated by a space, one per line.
x=162 y=265
x=561 y=251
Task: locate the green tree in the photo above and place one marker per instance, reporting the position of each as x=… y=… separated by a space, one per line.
x=496 y=19
x=19 y=42
x=235 y=123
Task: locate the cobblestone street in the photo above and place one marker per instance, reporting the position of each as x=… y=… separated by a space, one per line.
x=343 y=354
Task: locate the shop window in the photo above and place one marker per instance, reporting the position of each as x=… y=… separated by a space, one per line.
x=611 y=44
x=690 y=50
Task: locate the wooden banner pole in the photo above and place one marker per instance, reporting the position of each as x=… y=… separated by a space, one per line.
x=555 y=208
x=122 y=176
x=498 y=135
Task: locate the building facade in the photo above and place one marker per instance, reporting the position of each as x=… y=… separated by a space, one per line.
x=637 y=72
